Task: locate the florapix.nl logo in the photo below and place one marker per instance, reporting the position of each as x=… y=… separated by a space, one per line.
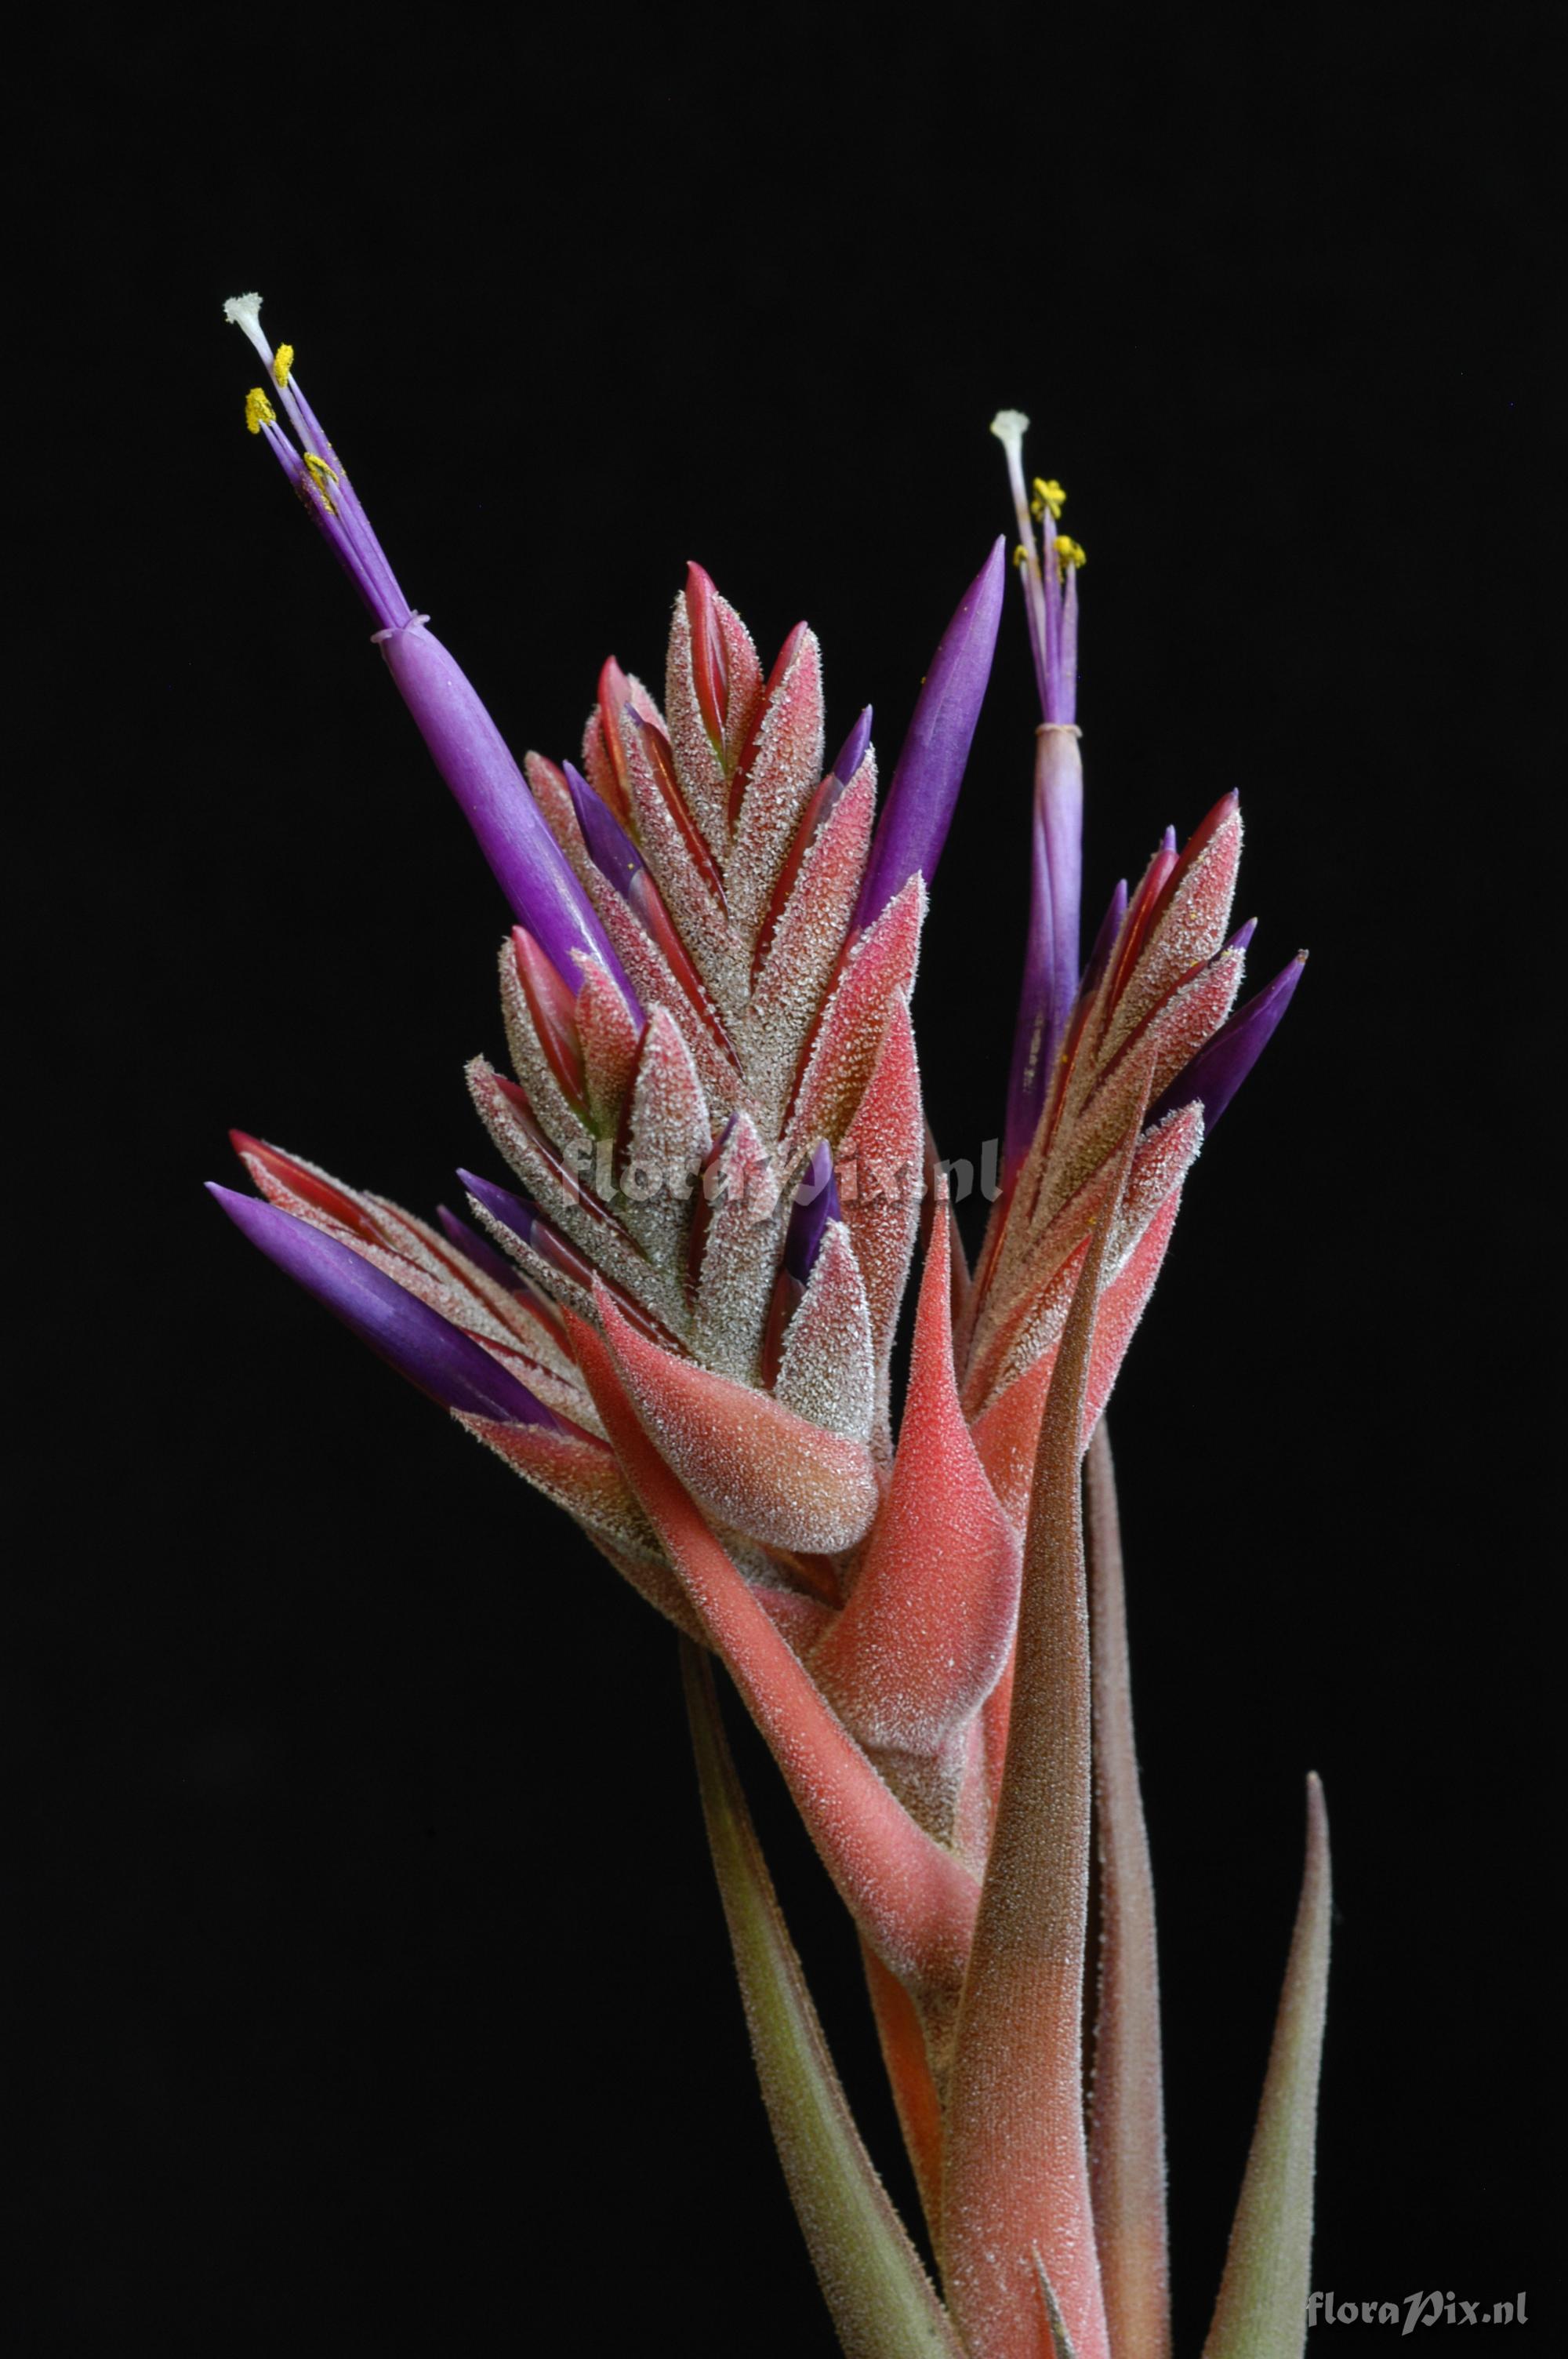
x=1414 y=2310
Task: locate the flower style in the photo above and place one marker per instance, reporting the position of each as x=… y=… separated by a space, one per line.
x=677 y=1320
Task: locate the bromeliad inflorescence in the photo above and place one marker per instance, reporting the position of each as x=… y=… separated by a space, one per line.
x=676 y=1315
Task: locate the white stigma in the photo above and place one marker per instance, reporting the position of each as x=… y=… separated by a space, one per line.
x=1009 y=426
x=243 y=312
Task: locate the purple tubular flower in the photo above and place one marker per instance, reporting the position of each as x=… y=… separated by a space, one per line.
x=852 y=752
x=523 y=856
x=816 y=1203
x=1051 y=959
x=609 y=847
x=1217 y=1071
x=479 y=1250
x=930 y=768
x=514 y=1213
x=469 y=750
x=1105 y=940
x=414 y=1339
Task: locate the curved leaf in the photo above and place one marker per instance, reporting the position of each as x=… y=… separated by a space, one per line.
x=1261 y=2309
x=882 y=2302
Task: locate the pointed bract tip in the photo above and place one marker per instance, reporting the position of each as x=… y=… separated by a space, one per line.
x=437 y=1357
x=709 y=663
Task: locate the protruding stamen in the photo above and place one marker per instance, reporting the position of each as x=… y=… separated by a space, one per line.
x=1047 y=569
x=243 y=312
x=336 y=510
x=320 y=476
x=1010 y=426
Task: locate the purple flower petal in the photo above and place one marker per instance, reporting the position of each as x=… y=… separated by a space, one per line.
x=1030 y=1070
x=514 y=1213
x=609 y=847
x=1105 y=940
x=468 y=749
x=416 y=1341
x=930 y=768
x=816 y=1203
x=852 y=752
x=479 y=1250
x=1050 y=959
x=1217 y=1071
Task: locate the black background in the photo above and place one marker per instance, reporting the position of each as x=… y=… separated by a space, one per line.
x=370 y=1985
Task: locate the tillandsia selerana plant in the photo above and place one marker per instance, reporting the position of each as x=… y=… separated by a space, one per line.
x=676 y=1319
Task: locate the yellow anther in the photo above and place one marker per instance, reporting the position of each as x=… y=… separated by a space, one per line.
x=282 y=362
x=259 y=411
x=1048 y=494
x=1021 y=555
x=320 y=476
x=1068 y=552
